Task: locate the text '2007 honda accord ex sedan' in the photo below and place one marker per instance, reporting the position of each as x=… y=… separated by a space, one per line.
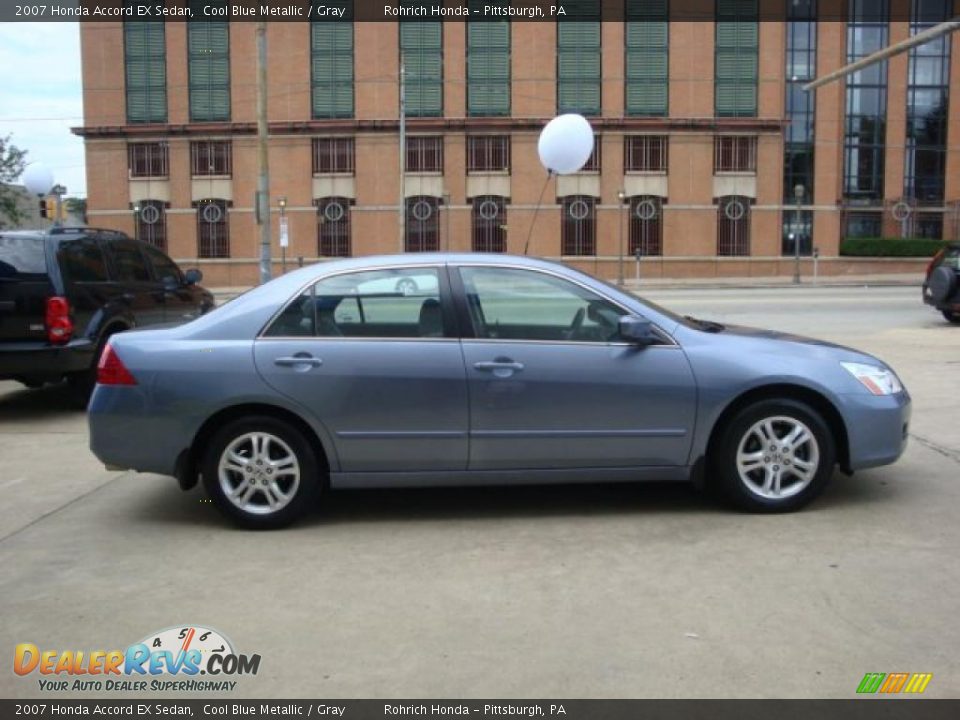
x=445 y=369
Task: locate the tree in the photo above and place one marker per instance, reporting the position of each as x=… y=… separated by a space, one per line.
x=11 y=166
x=77 y=207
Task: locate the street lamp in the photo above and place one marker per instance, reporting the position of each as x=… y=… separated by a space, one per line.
x=620 y=197
x=136 y=221
x=798 y=193
x=284 y=233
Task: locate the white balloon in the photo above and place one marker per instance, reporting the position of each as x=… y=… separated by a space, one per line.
x=38 y=179
x=565 y=144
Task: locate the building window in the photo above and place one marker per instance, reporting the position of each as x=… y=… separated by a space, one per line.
x=334 y=155
x=593 y=162
x=578 y=58
x=488 y=63
x=423 y=224
x=331 y=62
x=489 y=224
x=152 y=223
x=863 y=224
x=647 y=57
x=865 y=135
x=421 y=52
x=928 y=225
x=333 y=227
x=736 y=58
x=801 y=68
x=928 y=84
x=646 y=225
x=145 y=70
x=579 y=225
x=645 y=153
x=211 y=157
x=424 y=154
x=148 y=160
x=733 y=226
x=213 y=228
x=208 y=63
x=488 y=153
x=734 y=154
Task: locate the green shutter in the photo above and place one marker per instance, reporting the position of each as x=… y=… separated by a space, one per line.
x=145 y=63
x=647 y=58
x=736 y=58
x=208 y=69
x=488 y=68
x=421 y=46
x=578 y=67
x=331 y=53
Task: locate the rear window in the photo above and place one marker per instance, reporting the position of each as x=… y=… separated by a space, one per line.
x=951 y=258
x=21 y=256
x=82 y=261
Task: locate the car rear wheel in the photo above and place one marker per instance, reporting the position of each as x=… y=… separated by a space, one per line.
x=774 y=456
x=951 y=316
x=261 y=472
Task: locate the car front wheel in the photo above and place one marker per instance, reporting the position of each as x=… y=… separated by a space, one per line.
x=261 y=472
x=774 y=456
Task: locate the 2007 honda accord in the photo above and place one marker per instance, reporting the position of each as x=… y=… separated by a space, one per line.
x=493 y=369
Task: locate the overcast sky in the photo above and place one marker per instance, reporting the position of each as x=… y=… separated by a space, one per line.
x=41 y=96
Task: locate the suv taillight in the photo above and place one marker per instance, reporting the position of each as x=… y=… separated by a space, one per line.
x=935 y=261
x=112 y=371
x=57 y=320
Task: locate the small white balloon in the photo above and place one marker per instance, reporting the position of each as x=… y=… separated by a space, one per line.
x=38 y=179
x=565 y=144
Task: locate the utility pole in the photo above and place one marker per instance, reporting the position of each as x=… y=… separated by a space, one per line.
x=262 y=205
x=401 y=212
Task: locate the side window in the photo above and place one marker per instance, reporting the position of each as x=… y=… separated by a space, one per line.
x=82 y=261
x=131 y=266
x=395 y=303
x=164 y=269
x=513 y=304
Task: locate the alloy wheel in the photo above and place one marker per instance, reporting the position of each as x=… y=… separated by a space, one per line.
x=777 y=457
x=259 y=473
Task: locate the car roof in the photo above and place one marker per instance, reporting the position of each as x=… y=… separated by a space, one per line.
x=59 y=233
x=432 y=258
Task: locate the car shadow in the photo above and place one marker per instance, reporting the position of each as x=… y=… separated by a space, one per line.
x=19 y=403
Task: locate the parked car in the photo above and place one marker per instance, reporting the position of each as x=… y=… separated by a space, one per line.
x=941 y=288
x=65 y=291
x=513 y=370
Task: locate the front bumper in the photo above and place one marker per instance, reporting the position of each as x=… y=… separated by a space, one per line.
x=39 y=359
x=877 y=427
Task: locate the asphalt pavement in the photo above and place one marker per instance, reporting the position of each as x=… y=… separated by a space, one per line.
x=550 y=592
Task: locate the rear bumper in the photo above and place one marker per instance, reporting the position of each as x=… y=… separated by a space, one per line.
x=35 y=359
x=877 y=428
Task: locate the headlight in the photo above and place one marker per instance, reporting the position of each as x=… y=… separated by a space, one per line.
x=878 y=380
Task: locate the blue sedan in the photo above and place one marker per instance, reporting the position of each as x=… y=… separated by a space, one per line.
x=493 y=369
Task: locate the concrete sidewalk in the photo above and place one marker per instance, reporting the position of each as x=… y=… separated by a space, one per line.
x=713 y=283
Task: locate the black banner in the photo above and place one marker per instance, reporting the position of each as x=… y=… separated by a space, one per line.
x=859 y=709
x=411 y=10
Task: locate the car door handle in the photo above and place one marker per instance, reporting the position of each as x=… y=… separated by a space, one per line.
x=498 y=365
x=298 y=360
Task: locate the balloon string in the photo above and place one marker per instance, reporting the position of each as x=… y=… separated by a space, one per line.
x=536 y=210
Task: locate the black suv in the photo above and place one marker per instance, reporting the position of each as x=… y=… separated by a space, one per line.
x=942 y=286
x=64 y=291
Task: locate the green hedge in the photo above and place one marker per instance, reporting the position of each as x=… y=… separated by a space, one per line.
x=890 y=247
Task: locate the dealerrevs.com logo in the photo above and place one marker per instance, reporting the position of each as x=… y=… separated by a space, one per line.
x=172 y=659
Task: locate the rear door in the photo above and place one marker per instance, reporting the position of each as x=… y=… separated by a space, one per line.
x=138 y=289
x=83 y=270
x=379 y=363
x=24 y=287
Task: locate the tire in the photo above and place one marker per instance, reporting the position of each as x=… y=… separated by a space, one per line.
x=407 y=286
x=751 y=484
x=293 y=491
x=951 y=316
x=31 y=382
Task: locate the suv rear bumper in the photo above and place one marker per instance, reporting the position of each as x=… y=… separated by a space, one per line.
x=35 y=359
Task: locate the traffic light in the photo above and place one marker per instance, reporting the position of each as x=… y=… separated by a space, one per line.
x=51 y=210
x=43 y=207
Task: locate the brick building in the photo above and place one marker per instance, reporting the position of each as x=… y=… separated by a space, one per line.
x=702 y=131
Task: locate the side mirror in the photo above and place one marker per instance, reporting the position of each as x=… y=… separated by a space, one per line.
x=192 y=276
x=637 y=330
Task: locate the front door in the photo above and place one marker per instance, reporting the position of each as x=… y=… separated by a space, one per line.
x=374 y=357
x=136 y=286
x=551 y=385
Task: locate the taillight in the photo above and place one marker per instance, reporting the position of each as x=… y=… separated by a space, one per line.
x=58 y=323
x=112 y=371
x=936 y=260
